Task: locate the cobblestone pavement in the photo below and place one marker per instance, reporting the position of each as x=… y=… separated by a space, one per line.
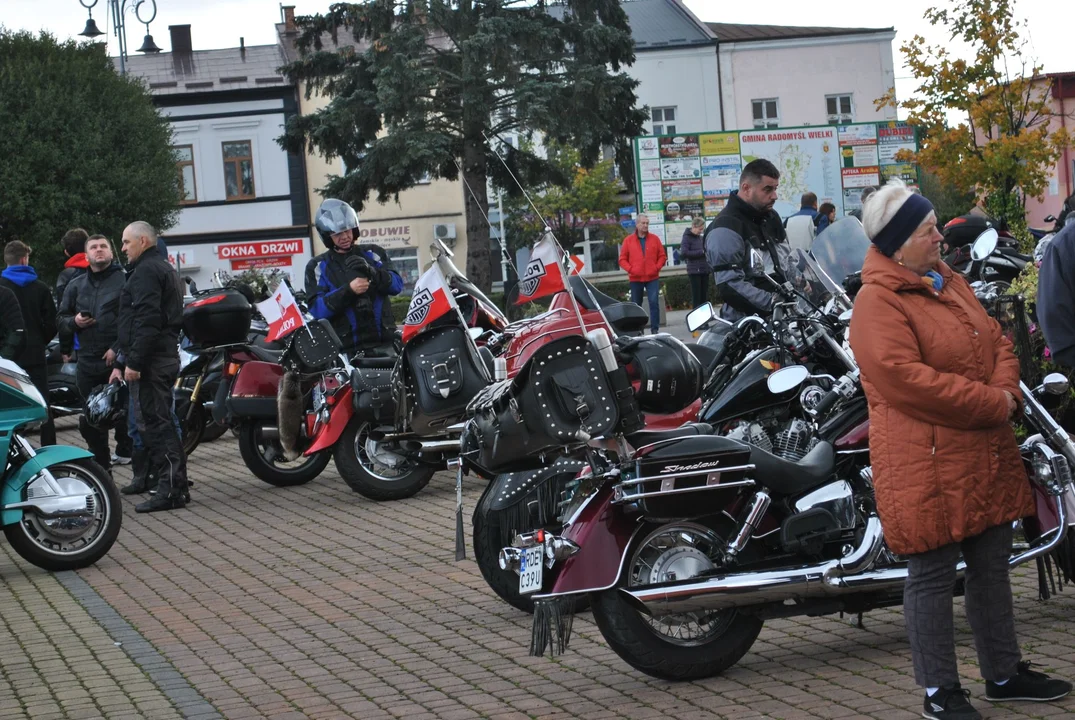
x=314 y=602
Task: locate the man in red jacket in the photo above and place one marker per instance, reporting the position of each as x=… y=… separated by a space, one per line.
x=642 y=256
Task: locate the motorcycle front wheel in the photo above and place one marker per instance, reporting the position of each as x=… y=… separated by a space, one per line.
x=377 y=470
x=686 y=646
x=71 y=543
x=265 y=458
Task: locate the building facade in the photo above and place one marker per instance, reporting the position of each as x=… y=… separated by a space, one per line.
x=1061 y=88
x=244 y=199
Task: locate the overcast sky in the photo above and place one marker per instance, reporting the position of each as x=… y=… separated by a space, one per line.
x=220 y=23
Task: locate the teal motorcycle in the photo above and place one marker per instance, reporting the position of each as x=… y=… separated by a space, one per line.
x=59 y=509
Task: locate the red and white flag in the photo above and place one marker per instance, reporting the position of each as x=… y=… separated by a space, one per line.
x=544 y=274
x=431 y=299
x=281 y=312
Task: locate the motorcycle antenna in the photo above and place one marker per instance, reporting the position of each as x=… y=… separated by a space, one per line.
x=474 y=197
x=551 y=234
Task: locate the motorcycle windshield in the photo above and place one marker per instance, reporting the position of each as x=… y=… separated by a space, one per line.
x=813 y=283
x=841 y=249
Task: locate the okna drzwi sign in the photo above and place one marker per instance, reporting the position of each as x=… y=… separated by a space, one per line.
x=260 y=254
x=681 y=177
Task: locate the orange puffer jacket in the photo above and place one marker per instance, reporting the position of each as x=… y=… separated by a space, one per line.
x=935 y=366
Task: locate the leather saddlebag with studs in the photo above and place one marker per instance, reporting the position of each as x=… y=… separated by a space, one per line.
x=444 y=374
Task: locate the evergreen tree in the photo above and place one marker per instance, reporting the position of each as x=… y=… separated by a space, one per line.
x=427 y=84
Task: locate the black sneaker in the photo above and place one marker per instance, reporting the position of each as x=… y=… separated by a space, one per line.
x=950 y=703
x=161 y=502
x=1027 y=685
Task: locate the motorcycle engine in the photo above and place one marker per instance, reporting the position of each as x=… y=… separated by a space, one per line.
x=794 y=441
x=753 y=434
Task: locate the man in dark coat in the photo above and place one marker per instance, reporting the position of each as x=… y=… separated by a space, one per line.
x=12 y=328
x=1056 y=296
x=39 y=315
x=89 y=314
x=746 y=241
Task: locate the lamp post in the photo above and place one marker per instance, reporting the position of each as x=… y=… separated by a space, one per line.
x=119 y=27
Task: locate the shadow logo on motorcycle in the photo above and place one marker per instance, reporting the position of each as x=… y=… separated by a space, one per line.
x=535 y=270
x=419 y=309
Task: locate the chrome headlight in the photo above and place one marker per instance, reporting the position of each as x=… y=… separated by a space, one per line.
x=1048 y=469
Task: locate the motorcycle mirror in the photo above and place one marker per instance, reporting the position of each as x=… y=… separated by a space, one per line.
x=845 y=316
x=474 y=333
x=787 y=378
x=700 y=315
x=984 y=245
x=1056 y=384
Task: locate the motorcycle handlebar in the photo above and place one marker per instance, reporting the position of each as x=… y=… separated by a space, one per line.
x=827 y=402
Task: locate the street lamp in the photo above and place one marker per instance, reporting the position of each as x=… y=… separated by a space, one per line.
x=119 y=26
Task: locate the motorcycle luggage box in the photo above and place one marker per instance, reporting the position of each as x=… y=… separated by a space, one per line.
x=444 y=375
x=220 y=318
x=561 y=397
x=685 y=477
x=372 y=394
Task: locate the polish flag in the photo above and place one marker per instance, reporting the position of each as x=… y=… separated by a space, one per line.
x=281 y=312
x=431 y=300
x=544 y=274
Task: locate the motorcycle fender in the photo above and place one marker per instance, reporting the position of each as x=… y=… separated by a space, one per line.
x=603 y=534
x=11 y=492
x=257 y=379
x=337 y=421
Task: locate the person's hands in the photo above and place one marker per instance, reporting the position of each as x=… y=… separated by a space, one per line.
x=116 y=376
x=359 y=285
x=84 y=322
x=1012 y=404
x=131 y=375
x=109 y=357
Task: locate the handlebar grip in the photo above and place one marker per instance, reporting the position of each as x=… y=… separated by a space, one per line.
x=827 y=402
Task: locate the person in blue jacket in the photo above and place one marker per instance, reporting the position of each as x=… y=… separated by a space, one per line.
x=349 y=284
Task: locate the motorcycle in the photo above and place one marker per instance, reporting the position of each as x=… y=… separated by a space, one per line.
x=60 y=510
x=64 y=398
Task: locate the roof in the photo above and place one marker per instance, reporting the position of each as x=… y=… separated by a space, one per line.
x=658 y=24
x=209 y=70
x=734 y=32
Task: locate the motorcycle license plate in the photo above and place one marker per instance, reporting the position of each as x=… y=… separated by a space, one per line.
x=530 y=567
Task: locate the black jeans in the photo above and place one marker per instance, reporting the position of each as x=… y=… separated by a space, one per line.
x=927 y=608
x=151 y=397
x=39 y=376
x=91 y=372
x=699 y=288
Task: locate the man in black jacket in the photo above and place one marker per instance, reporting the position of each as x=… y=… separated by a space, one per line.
x=747 y=240
x=88 y=318
x=39 y=315
x=1056 y=296
x=151 y=314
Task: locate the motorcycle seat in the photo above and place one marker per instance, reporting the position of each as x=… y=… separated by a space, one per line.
x=788 y=477
x=648 y=437
x=578 y=289
x=263 y=353
x=626 y=317
x=374 y=363
x=705 y=354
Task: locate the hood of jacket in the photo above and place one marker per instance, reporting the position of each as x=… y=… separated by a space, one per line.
x=78 y=260
x=21 y=275
x=880 y=270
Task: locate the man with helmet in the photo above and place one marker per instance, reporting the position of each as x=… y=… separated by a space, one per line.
x=349 y=283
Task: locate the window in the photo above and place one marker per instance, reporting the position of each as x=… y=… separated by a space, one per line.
x=766 y=113
x=405 y=262
x=839 y=109
x=184 y=163
x=661 y=117
x=238 y=170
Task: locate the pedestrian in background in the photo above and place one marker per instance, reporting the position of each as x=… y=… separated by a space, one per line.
x=12 y=328
x=692 y=247
x=89 y=313
x=74 y=249
x=642 y=256
x=826 y=215
x=39 y=318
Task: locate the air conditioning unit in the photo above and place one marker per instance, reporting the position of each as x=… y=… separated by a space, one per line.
x=444 y=231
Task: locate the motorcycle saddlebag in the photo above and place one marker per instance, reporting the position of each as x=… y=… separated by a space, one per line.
x=313 y=348
x=373 y=397
x=444 y=376
x=561 y=397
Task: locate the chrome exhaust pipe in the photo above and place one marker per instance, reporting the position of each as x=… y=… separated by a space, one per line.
x=757 y=588
x=270 y=432
x=435 y=446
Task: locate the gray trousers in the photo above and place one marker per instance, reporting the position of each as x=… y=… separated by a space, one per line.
x=927 y=608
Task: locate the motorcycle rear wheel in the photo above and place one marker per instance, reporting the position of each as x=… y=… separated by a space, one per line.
x=659 y=646
x=54 y=545
x=363 y=473
x=265 y=458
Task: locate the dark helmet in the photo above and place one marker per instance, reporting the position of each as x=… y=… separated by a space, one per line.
x=669 y=375
x=334 y=216
x=106 y=406
x=965 y=229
